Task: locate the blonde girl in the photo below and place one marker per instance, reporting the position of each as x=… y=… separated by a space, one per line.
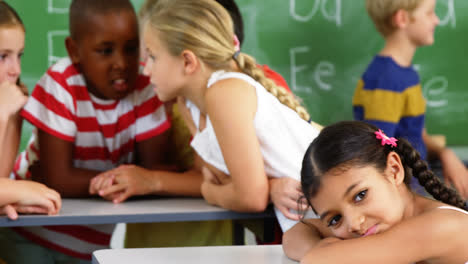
x=245 y=126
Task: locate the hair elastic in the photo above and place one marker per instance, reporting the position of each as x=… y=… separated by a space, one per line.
x=236 y=54
x=385 y=140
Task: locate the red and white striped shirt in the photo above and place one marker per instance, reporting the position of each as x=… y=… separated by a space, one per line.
x=103 y=132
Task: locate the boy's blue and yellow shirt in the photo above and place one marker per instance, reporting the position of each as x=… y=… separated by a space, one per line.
x=390 y=97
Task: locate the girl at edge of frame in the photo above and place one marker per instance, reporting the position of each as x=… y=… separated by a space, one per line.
x=357 y=180
x=16 y=196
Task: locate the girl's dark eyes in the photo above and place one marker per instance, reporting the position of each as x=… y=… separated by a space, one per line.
x=334 y=220
x=360 y=196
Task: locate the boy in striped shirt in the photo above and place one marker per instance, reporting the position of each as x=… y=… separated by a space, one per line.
x=94 y=112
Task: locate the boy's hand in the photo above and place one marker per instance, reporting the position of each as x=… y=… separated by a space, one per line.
x=100 y=182
x=285 y=193
x=455 y=172
x=127 y=180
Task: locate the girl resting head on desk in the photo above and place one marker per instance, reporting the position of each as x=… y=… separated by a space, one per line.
x=356 y=179
x=16 y=196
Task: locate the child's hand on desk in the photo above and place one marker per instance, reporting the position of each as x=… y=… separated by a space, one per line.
x=32 y=197
x=126 y=181
x=212 y=178
x=285 y=193
x=215 y=176
x=11 y=211
x=101 y=182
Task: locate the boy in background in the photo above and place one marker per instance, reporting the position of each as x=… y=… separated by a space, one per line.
x=94 y=112
x=389 y=94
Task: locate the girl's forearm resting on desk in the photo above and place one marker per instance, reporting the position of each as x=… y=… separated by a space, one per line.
x=299 y=239
x=424 y=237
x=304 y=236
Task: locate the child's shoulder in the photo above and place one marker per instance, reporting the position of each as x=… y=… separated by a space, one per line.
x=384 y=73
x=63 y=66
x=228 y=91
x=444 y=221
x=383 y=64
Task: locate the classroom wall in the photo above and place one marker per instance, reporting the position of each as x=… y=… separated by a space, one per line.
x=321 y=47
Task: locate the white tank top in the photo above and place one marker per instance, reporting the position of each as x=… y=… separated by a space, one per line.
x=283 y=136
x=453 y=208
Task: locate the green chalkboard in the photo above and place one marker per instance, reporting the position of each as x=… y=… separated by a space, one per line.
x=321 y=47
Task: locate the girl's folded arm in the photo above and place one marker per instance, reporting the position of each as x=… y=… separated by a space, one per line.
x=422 y=237
x=231 y=105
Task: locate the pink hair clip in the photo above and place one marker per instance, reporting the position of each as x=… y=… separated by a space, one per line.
x=385 y=140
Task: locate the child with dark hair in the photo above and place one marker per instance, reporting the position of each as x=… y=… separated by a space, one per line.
x=94 y=111
x=357 y=180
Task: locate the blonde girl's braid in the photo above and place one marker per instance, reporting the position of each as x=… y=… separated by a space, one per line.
x=249 y=66
x=206 y=28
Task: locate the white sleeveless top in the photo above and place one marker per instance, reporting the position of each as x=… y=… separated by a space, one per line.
x=453 y=208
x=283 y=136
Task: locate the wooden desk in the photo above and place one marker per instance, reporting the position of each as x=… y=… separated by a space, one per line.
x=194 y=255
x=99 y=211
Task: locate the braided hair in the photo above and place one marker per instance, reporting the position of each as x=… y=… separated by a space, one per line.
x=206 y=28
x=354 y=143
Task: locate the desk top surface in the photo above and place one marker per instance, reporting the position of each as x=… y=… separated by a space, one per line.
x=194 y=255
x=99 y=211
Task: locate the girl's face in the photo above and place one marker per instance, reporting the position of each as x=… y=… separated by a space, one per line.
x=11 y=50
x=165 y=70
x=358 y=201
